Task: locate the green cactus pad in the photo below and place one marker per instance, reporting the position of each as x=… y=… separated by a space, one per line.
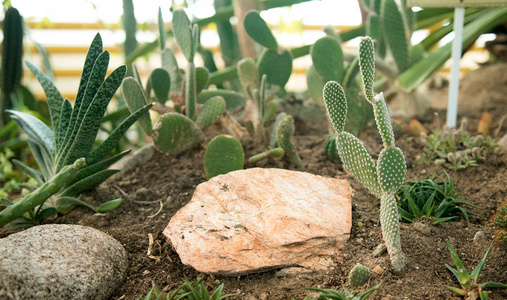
x=160 y=83
x=183 y=33
x=258 y=30
x=315 y=85
x=330 y=148
x=359 y=113
x=327 y=58
x=336 y=104
x=170 y=64
x=233 y=99
x=211 y=112
x=391 y=169
x=395 y=32
x=373 y=31
x=174 y=133
x=135 y=99
x=201 y=79
x=248 y=75
x=223 y=154
x=358 y=162
x=367 y=66
x=359 y=275
x=284 y=134
x=161 y=30
x=383 y=121
x=277 y=65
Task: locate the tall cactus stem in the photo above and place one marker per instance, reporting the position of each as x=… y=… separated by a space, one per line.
x=383 y=121
x=190 y=91
x=389 y=222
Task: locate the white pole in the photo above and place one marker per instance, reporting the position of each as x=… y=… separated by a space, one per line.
x=452 y=107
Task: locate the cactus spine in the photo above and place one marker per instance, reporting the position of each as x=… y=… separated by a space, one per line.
x=384 y=178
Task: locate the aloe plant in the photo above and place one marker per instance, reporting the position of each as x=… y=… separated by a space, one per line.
x=385 y=177
x=346 y=295
x=470 y=288
x=194 y=290
x=73 y=132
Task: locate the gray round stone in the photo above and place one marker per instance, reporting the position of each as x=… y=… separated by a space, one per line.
x=61 y=262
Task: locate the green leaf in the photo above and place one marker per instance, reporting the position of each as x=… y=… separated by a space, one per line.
x=88 y=183
x=109 y=205
x=135 y=100
x=35 y=128
x=258 y=30
x=475 y=273
x=277 y=65
x=413 y=77
x=93 y=167
x=461 y=273
x=53 y=97
x=45 y=213
x=66 y=204
x=94 y=51
x=183 y=33
x=30 y=171
x=65 y=118
x=327 y=58
x=487 y=285
x=160 y=83
x=85 y=137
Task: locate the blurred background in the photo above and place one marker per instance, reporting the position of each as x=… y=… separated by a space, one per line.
x=64 y=29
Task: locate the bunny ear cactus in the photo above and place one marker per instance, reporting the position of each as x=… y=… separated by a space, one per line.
x=384 y=178
x=223 y=154
x=284 y=138
x=394 y=25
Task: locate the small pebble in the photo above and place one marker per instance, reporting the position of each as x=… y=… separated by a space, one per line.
x=479 y=237
x=422 y=228
x=378 y=270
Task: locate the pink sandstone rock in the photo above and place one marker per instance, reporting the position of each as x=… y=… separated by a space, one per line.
x=257 y=219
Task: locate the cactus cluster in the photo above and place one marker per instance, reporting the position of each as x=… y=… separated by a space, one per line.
x=174 y=132
x=71 y=137
x=455 y=148
x=500 y=220
x=385 y=177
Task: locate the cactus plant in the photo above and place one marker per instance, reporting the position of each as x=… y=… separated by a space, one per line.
x=74 y=130
x=223 y=154
x=173 y=132
x=500 y=220
x=346 y=295
x=284 y=138
x=12 y=52
x=383 y=178
x=359 y=275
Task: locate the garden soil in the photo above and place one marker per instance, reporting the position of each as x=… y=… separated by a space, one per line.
x=155 y=191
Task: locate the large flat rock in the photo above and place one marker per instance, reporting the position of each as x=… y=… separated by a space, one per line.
x=259 y=219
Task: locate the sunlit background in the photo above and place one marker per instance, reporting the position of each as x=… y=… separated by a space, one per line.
x=66 y=28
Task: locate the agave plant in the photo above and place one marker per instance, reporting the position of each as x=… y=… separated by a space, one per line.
x=72 y=137
x=187 y=291
x=346 y=295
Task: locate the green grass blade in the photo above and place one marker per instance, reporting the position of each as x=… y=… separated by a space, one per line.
x=112 y=140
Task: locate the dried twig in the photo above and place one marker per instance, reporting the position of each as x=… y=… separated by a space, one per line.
x=159 y=210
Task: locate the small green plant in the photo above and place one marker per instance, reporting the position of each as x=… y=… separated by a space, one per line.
x=194 y=290
x=470 y=288
x=432 y=197
x=71 y=137
x=385 y=177
x=346 y=295
x=359 y=275
x=456 y=149
x=223 y=154
x=500 y=220
x=10 y=179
